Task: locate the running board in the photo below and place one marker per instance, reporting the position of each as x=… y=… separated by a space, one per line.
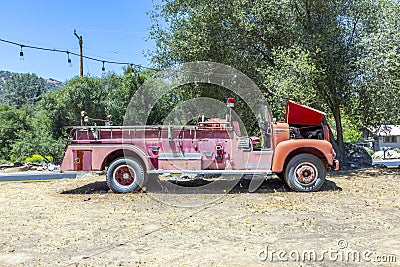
x=187 y=172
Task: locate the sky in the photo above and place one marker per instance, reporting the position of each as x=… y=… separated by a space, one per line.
x=111 y=30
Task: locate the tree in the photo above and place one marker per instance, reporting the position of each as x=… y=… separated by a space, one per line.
x=78 y=94
x=23 y=89
x=12 y=122
x=34 y=121
x=120 y=90
x=293 y=76
x=305 y=50
x=377 y=82
x=237 y=33
x=332 y=27
x=37 y=138
x=99 y=97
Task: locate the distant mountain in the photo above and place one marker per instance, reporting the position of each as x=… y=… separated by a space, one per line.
x=51 y=84
x=4 y=75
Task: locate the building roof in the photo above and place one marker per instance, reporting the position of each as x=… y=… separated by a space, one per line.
x=389 y=130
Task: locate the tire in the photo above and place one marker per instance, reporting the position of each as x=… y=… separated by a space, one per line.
x=305 y=173
x=125 y=175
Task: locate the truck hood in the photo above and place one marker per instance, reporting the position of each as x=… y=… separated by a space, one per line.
x=303 y=115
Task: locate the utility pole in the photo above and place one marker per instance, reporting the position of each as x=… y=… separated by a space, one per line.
x=80 y=52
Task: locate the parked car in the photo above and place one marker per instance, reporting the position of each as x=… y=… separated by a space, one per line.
x=388 y=158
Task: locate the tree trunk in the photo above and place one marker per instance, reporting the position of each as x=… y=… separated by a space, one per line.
x=339 y=134
x=332 y=137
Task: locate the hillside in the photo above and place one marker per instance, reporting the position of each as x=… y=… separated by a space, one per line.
x=51 y=84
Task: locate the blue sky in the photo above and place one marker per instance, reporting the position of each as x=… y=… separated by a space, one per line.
x=112 y=30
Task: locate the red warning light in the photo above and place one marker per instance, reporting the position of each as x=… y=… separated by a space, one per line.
x=230 y=103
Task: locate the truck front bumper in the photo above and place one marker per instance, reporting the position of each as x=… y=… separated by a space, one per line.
x=336 y=164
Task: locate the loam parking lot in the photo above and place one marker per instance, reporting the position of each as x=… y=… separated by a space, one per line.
x=352 y=221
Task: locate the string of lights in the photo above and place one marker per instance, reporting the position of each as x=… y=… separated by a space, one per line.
x=23 y=46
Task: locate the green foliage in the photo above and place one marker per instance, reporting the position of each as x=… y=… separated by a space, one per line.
x=12 y=122
x=351 y=130
x=293 y=76
x=98 y=97
x=23 y=89
x=3 y=161
x=35 y=158
x=78 y=94
x=351 y=135
x=37 y=138
x=339 y=56
x=119 y=91
x=336 y=55
x=369 y=151
x=39 y=128
x=378 y=69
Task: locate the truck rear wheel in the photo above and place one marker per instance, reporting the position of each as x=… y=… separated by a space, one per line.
x=304 y=173
x=125 y=175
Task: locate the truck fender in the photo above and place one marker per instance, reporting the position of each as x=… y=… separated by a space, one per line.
x=127 y=151
x=286 y=150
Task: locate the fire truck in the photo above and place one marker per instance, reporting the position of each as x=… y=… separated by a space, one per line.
x=297 y=150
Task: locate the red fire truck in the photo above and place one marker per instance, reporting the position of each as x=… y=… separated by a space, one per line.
x=297 y=150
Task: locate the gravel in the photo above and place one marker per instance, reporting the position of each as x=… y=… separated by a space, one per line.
x=80 y=222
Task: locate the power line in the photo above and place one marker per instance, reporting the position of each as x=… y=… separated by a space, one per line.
x=75 y=54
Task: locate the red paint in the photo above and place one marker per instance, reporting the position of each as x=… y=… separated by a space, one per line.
x=210 y=145
x=82 y=160
x=303 y=115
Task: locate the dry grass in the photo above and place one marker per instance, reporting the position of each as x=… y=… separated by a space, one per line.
x=78 y=222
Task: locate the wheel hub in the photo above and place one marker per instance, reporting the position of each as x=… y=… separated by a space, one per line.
x=124 y=175
x=306 y=173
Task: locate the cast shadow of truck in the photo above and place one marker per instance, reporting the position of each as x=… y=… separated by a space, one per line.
x=201 y=186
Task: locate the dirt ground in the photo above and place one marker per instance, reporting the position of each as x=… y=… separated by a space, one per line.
x=353 y=221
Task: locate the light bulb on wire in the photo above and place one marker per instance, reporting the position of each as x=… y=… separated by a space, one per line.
x=21 y=54
x=132 y=72
x=103 y=69
x=69 y=60
x=135 y=70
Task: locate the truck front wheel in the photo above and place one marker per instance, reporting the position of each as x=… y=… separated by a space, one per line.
x=125 y=175
x=304 y=173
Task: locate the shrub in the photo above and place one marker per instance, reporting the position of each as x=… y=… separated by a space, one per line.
x=3 y=161
x=370 y=151
x=38 y=159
